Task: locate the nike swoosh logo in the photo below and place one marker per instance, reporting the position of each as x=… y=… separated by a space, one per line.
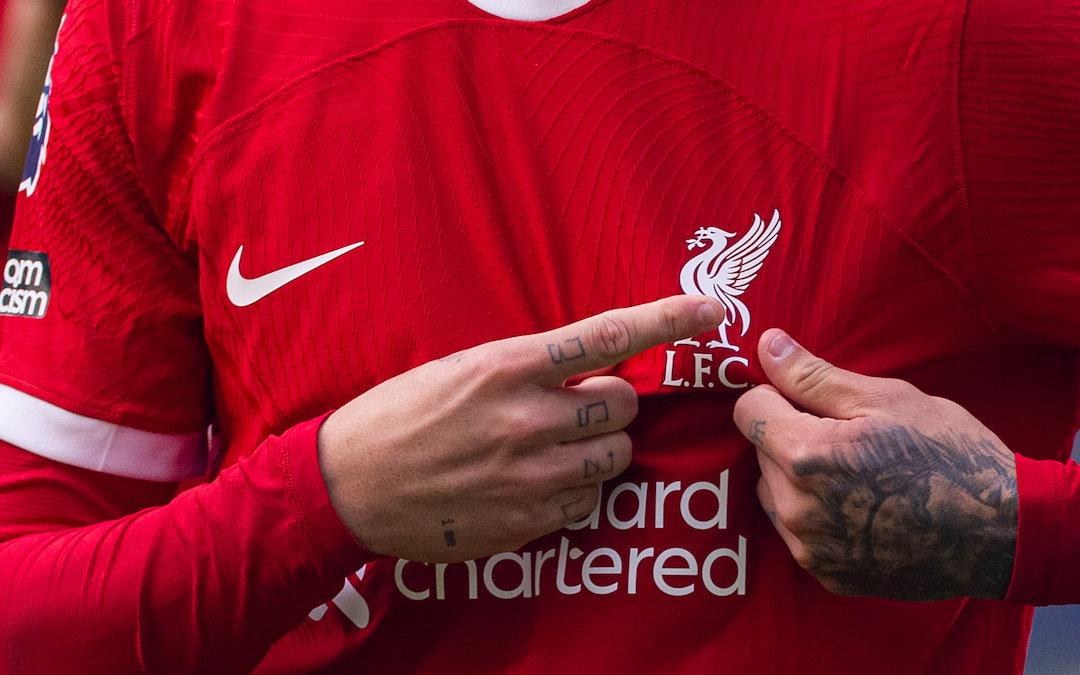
x=243 y=292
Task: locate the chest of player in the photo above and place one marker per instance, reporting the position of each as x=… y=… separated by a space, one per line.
x=396 y=207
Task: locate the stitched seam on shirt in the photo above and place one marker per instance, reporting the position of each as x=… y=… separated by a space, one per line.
x=961 y=160
x=107 y=415
x=209 y=141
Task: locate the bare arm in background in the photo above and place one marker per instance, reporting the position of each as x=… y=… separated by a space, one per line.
x=27 y=35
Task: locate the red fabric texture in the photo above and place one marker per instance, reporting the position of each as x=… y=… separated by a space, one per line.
x=1048 y=544
x=1011 y=58
x=1020 y=84
x=119 y=282
x=884 y=133
x=203 y=584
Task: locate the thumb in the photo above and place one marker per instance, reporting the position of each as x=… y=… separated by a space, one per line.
x=813 y=383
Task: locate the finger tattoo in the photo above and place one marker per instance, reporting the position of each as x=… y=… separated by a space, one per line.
x=594 y=413
x=909 y=515
x=599 y=468
x=567 y=350
x=757 y=432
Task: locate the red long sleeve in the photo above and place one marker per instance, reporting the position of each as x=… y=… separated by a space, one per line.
x=1020 y=126
x=1048 y=544
x=203 y=584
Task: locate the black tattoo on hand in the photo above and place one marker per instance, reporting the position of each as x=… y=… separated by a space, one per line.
x=593 y=413
x=452 y=358
x=567 y=350
x=448 y=534
x=593 y=468
x=757 y=432
x=911 y=517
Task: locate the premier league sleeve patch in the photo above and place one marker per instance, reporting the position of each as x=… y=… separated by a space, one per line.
x=39 y=141
x=27 y=284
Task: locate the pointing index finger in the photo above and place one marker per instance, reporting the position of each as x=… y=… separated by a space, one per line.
x=614 y=336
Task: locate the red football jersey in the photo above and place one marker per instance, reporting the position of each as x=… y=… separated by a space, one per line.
x=248 y=215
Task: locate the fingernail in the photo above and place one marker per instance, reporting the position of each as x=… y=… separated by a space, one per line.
x=710 y=314
x=781 y=346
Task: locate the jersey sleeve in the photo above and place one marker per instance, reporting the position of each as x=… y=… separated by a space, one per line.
x=1048 y=541
x=102 y=359
x=104 y=390
x=203 y=584
x=1020 y=128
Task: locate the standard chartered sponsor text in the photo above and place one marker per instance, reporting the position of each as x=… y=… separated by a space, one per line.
x=568 y=570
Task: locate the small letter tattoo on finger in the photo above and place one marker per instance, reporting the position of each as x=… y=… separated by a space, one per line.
x=568 y=350
x=594 y=468
x=757 y=432
x=593 y=413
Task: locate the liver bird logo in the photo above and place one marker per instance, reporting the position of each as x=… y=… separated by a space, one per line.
x=724 y=272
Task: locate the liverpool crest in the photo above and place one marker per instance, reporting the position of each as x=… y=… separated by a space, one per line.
x=724 y=272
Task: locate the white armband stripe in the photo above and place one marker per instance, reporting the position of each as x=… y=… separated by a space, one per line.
x=50 y=431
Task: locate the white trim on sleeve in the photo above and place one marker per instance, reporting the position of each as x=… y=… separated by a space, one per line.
x=49 y=431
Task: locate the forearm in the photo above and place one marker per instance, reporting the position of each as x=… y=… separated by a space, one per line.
x=204 y=584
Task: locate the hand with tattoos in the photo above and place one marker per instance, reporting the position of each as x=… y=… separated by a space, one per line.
x=484 y=451
x=879 y=489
